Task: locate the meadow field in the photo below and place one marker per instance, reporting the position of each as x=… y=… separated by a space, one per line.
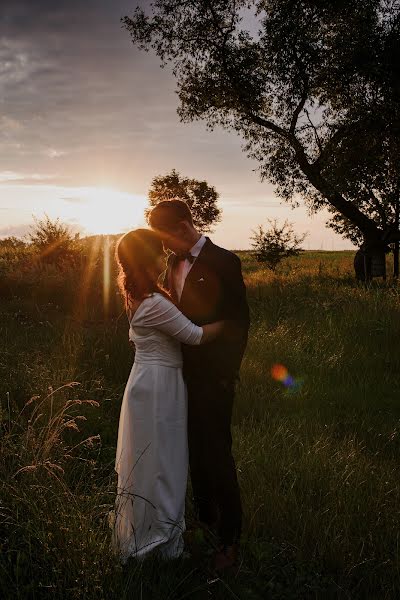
x=318 y=463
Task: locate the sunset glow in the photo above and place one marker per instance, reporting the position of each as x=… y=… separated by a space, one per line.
x=87 y=125
x=104 y=210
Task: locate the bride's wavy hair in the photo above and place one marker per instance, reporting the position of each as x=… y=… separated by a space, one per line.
x=136 y=253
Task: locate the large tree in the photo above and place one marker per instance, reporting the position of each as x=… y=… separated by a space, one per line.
x=368 y=172
x=200 y=197
x=298 y=80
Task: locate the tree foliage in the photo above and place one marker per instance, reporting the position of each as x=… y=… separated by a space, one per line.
x=271 y=246
x=298 y=80
x=374 y=186
x=201 y=197
x=12 y=249
x=12 y=243
x=53 y=240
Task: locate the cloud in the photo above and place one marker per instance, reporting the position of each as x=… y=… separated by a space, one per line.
x=15 y=65
x=74 y=200
x=9 y=176
x=75 y=90
x=9 y=125
x=53 y=153
x=12 y=178
x=14 y=230
x=84 y=96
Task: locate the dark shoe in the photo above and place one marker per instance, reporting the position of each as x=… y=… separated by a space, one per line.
x=226 y=557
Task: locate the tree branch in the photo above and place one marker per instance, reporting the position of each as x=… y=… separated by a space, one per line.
x=378 y=207
x=231 y=29
x=334 y=139
x=297 y=111
x=268 y=124
x=317 y=138
x=313 y=174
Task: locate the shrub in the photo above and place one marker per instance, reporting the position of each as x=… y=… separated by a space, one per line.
x=53 y=241
x=276 y=243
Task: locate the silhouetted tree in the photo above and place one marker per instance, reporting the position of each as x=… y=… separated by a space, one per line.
x=298 y=80
x=201 y=197
x=374 y=187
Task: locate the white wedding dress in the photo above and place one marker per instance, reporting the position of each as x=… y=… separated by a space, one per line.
x=152 y=450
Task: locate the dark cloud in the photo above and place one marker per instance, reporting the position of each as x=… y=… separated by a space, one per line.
x=70 y=76
x=47 y=16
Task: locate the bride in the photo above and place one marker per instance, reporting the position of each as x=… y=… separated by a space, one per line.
x=152 y=450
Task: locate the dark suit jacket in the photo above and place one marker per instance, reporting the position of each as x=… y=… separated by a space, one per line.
x=214 y=290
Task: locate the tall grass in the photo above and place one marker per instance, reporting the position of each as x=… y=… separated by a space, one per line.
x=318 y=465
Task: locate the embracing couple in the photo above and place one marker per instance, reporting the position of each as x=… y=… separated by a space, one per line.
x=189 y=325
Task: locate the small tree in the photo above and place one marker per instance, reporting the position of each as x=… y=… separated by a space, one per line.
x=276 y=243
x=53 y=240
x=200 y=197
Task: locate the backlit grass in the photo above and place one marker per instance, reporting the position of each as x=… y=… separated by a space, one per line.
x=318 y=466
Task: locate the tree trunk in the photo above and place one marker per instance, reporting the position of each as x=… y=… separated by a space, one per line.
x=367 y=226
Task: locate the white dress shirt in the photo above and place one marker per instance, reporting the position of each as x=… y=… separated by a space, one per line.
x=183 y=267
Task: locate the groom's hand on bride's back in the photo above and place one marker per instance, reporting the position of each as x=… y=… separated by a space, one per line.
x=227 y=329
x=212 y=331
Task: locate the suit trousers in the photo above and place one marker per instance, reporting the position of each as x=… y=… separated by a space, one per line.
x=212 y=467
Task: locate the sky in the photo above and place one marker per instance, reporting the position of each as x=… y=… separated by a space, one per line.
x=87 y=120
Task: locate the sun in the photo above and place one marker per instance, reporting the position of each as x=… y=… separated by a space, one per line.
x=101 y=210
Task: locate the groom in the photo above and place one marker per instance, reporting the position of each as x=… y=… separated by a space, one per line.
x=207 y=285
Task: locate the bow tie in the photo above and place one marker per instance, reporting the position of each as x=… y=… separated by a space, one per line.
x=185 y=256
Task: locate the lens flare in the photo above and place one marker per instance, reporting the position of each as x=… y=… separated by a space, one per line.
x=280 y=373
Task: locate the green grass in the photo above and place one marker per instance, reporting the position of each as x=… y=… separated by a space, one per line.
x=318 y=466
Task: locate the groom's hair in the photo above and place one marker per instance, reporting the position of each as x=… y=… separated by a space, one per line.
x=167 y=214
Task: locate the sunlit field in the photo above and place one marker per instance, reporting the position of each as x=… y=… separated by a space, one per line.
x=318 y=462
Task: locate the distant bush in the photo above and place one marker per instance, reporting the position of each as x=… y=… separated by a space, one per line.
x=13 y=248
x=12 y=243
x=14 y=254
x=65 y=281
x=53 y=241
x=276 y=243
